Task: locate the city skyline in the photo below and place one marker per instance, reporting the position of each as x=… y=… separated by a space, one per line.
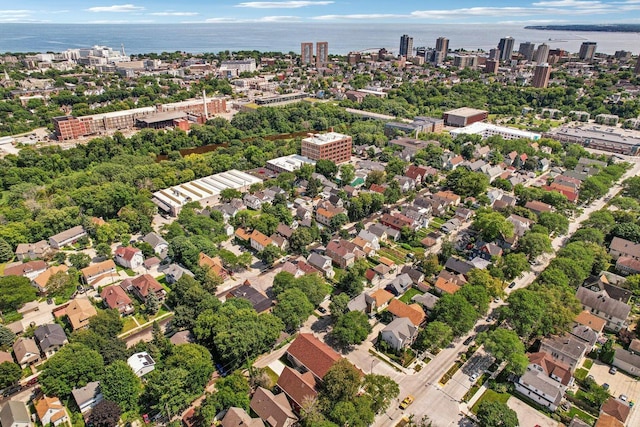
x=411 y=11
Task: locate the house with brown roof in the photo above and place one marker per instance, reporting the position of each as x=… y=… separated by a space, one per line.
x=413 y=312
x=129 y=257
x=238 y=417
x=343 y=253
x=382 y=298
x=627 y=265
x=259 y=241
x=444 y=286
x=585 y=318
x=214 y=264
x=30 y=269
x=538 y=207
x=115 y=298
x=143 y=286
x=51 y=411
x=79 y=311
x=96 y=272
x=606 y=420
x=274 y=410
x=242 y=235
x=616 y=408
x=308 y=353
x=259 y=301
x=448 y=197
x=299 y=388
x=396 y=221
x=41 y=281
x=26 y=351
x=545 y=380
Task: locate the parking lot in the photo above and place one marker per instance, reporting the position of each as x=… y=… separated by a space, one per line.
x=528 y=416
x=620 y=383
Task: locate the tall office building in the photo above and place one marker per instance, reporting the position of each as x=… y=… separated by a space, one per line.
x=442 y=45
x=542 y=54
x=541 y=75
x=306 y=53
x=330 y=146
x=526 y=49
x=587 y=51
x=406 y=46
x=506 y=48
x=322 y=54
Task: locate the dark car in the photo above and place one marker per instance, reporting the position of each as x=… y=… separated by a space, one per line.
x=469 y=340
x=322 y=310
x=512 y=285
x=11 y=390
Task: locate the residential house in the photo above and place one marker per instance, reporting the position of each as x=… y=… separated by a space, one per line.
x=538 y=207
x=259 y=241
x=364 y=303
x=627 y=360
x=258 y=300
x=214 y=264
x=115 y=298
x=51 y=411
x=300 y=268
x=617 y=409
x=67 y=237
x=405 y=183
x=242 y=235
x=400 y=284
x=420 y=217
x=284 y=230
x=299 y=388
x=427 y=301
x=453 y=162
x=41 y=281
x=303 y=214
x=458 y=266
x=480 y=263
x=326 y=212
x=174 y=272
x=279 y=242
x=490 y=250
x=143 y=286
x=129 y=257
x=586 y=334
x=6 y=357
x=379 y=231
x=624 y=248
x=365 y=246
x=274 y=410
x=413 y=312
x=520 y=224
x=79 y=311
x=585 y=318
x=456 y=278
x=322 y=263
x=373 y=277
x=381 y=299
x=419 y=173
x=416 y=276
x=371 y=238
x=606 y=420
x=87 y=397
x=252 y=202
x=463 y=214
x=343 y=253
x=159 y=245
x=15 y=414
x=450 y=226
x=238 y=417
x=400 y=333
x=32 y=250
x=545 y=380
x=50 y=338
x=444 y=286
x=307 y=353
x=396 y=221
x=141 y=363
x=29 y=269
x=627 y=265
x=599 y=303
x=96 y=272
x=26 y=352
x=448 y=197
x=565 y=349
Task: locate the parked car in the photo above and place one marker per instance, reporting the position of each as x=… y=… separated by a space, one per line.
x=605 y=386
x=512 y=285
x=407 y=401
x=613 y=370
x=469 y=340
x=623 y=397
x=322 y=310
x=473 y=376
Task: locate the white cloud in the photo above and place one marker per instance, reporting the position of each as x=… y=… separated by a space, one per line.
x=282 y=4
x=121 y=21
x=568 y=3
x=170 y=13
x=116 y=8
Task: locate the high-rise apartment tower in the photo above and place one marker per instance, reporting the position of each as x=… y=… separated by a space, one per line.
x=306 y=53
x=406 y=46
x=506 y=48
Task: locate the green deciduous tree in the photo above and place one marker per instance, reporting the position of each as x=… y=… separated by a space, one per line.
x=196 y=360
x=293 y=308
x=119 y=384
x=341 y=382
x=535 y=244
x=382 y=390
x=492 y=225
x=351 y=328
x=232 y=390
x=496 y=414
x=338 y=305
x=10 y=373
x=14 y=292
x=74 y=365
x=455 y=311
x=7 y=337
x=79 y=260
x=554 y=222
x=505 y=346
x=434 y=336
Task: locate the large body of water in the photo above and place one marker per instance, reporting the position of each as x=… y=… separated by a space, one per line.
x=283 y=37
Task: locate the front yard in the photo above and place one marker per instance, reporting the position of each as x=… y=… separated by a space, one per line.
x=490 y=396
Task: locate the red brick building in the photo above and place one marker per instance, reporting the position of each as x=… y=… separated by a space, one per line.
x=328 y=146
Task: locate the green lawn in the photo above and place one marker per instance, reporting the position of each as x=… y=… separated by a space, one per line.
x=490 y=396
x=581 y=374
x=574 y=411
x=588 y=363
x=129 y=324
x=406 y=298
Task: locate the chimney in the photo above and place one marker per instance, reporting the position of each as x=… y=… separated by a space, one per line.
x=204 y=103
x=331 y=129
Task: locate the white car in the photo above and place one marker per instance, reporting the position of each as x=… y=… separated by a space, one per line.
x=473 y=376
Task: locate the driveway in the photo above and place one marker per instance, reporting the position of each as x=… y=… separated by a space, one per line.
x=620 y=383
x=529 y=417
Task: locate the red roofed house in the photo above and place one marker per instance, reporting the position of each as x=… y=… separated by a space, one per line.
x=545 y=380
x=116 y=298
x=214 y=264
x=617 y=409
x=310 y=354
x=30 y=270
x=397 y=221
x=568 y=192
x=377 y=188
x=129 y=257
x=343 y=253
x=143 y=286
x=538 y=207
x=416 y=173
x=298 y=387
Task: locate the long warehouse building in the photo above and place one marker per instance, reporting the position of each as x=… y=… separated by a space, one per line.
x=204 y=190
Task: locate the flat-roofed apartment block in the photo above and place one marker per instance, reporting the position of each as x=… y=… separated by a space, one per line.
x=613 y=140
x=461 y=117
x=204 y=190
x=328 y=146
x=288 y=163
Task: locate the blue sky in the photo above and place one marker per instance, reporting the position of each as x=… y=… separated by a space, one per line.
x=410 y=11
